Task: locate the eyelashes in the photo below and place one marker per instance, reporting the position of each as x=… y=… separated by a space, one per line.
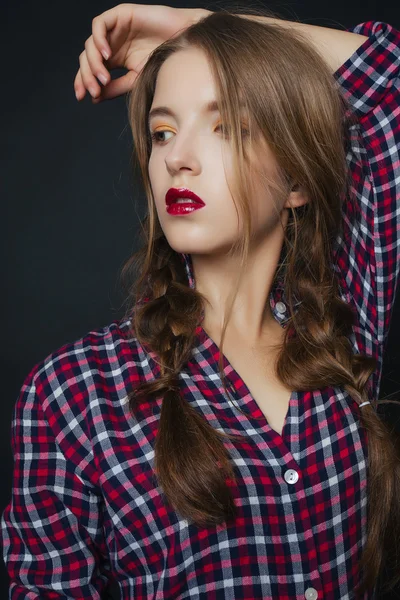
x=154 y=135
x=156 y=140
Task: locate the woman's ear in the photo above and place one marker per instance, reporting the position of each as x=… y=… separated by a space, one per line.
x=297 y=197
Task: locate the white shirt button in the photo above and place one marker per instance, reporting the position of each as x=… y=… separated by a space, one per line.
x=291 y=476
x=311 y=594
x=281 y=307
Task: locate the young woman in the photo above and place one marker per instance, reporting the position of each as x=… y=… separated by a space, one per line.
x=222 y=440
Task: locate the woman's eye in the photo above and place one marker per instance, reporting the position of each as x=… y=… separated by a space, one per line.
x=156 y=133
x=226 y=129
x=156 y=140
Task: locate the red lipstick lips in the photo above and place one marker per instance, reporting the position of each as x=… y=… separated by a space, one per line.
x=182 y=208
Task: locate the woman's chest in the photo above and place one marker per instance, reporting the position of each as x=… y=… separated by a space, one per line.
x=257 y=371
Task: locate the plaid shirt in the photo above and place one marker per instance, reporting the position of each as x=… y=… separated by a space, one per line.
x=86 y=507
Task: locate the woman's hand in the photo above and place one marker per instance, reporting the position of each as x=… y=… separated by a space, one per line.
x=124 y=37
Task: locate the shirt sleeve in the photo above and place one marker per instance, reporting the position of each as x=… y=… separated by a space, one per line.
x=51 y=529
x=369 y=81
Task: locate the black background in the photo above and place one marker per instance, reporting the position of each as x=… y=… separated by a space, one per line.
x=72 y=202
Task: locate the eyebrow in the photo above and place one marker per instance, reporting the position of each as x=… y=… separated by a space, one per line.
x=164 y=111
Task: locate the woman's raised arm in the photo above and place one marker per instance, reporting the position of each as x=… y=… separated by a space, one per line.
x=124 y=37
x=334 y=45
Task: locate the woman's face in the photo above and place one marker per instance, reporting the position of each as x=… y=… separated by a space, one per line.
x=193 y=152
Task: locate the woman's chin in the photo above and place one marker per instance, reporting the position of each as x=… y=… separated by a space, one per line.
x=187 y=246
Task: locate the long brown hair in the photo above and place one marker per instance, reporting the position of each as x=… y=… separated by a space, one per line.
x=295 y=106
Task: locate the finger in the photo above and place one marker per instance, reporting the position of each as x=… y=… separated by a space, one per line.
x=101 y=25
x=95 y=61
x=89 y=80
x=80 y=90
x=117 y=87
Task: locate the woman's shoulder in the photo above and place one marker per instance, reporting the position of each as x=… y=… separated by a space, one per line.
x=96 y=344
x=79 y=392
x=104 y=360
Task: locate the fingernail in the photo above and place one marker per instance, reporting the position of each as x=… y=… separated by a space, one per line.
x=77 y=95
x=105 y=53
x=92 y=91
x=102 y=78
